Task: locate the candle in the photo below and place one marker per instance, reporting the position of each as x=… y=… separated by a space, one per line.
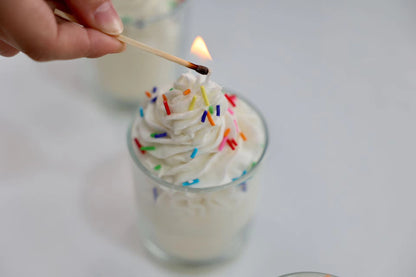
x=128 y=75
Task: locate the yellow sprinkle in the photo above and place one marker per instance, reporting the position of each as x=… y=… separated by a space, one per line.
x=191 y=106
x=204 y=94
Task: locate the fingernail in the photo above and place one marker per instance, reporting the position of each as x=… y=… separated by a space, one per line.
x=107 y=19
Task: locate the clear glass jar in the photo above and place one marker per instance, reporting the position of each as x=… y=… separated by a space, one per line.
x=308 y=274
x=195 y=225
x=126 y=76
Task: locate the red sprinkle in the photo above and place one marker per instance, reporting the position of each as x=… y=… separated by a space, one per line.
x=234 y=142
x=229 y=99
x=166 y=107
x=230 y=144
x=139 y=145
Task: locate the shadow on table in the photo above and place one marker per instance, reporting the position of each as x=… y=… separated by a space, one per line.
x=108 y=204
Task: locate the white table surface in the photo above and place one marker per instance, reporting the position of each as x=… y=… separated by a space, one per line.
x=337 y=82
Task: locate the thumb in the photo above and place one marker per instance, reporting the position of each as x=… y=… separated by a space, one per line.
x=99 y=14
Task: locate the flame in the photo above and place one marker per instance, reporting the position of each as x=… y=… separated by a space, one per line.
x=199 y=48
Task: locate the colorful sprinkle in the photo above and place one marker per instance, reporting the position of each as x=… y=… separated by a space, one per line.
x=243 y=186
x=164 y=97
x=191 y=106
x=236 y=126
x=167 y=108
x=253 y=164
x=154 y=89
x=154 y=99
x=233 y=97
x=234 y=142
x=161 y=135
x=230 y=111
x=171 y=89
x=204 y=115
x=222 y=144
x=230 y=144
x=141 y=112
x=186 y=92
x=229 y=99
x=193 y=182
x=194 y=153
x=243 y=136
x=147 y=148
x=210 y=119
x=211 y=109
x=155 y=194
x=227 y=132
x=218 y=110
x=159 y=166
x=138 y=145
x=148 y=94
x=244 y=173
x=204 y=95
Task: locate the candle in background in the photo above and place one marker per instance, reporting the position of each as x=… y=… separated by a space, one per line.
x=128 y=75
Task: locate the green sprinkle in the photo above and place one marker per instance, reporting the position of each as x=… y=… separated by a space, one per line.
x=158 y=167
x=171 y=89
x=153 y=135
x=253 y=164
x=126 y=20
x=147 y=148
x=172 y=4
x=211 y=109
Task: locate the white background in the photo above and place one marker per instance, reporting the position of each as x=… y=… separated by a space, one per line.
x=337 y=83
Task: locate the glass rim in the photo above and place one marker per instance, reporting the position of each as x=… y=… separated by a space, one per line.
x=143 y=22
x=235 y=182
x=307 y=272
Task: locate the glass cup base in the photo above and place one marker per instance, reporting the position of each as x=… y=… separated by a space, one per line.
x=233 y=251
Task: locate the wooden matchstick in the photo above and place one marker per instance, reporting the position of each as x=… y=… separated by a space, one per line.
x=198 y=68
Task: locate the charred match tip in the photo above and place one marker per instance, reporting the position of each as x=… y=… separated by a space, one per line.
x=202 y=70
x=199 y=68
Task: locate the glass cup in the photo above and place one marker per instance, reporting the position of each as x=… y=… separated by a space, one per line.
x=126 y=76
x=308 y=274
x=195 y=225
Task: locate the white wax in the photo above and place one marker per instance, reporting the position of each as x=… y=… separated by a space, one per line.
x=129 y=74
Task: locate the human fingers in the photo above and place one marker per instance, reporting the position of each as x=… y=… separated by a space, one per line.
x=6 y=50
x=99 y=14
x=35 y=32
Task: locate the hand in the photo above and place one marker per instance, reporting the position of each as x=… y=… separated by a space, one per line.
x=31 y=27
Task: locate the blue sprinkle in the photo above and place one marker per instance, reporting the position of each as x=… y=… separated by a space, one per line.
x=154 y=89
x=194 y=153
x=195 y=181
x=243 y=186
x=161 y=135
x=233 y=179
x=154 y=99
x=155 y=194
x=218 y=110
x=244 y=172
x=204 y=115
x=141 y=112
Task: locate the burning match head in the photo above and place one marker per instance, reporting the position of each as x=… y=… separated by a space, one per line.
x=199 y=68
x=202 y=70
